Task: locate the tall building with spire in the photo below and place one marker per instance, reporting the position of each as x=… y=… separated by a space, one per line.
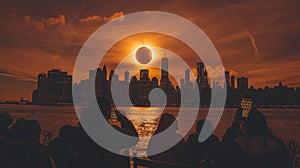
x=164 y=80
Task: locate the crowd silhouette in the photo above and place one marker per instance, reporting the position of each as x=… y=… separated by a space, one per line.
x=20 y=145
x=247 y=143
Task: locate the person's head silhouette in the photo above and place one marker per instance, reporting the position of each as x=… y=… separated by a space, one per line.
x=33 y=130
x=5 y=120
x=165 y=122
x=256 y=124
x=104 y=105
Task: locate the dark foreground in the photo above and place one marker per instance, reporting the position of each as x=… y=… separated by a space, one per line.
x=246 y=143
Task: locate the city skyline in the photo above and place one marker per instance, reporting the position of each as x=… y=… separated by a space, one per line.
x=55 y=88
x=127 y=77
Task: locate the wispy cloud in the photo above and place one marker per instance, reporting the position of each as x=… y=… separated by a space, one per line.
x=93 y=18
x=96 y=18
x=248 y=33
x=59 y=21
x=18 y=77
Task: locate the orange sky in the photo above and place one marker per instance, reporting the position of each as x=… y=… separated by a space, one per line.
x=257 y=39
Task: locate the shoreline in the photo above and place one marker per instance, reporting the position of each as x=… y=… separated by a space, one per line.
x=202 y=106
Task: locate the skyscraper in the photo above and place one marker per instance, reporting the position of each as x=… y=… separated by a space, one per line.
x=41 y=80
x=187 y=76
x=144 y=74
x=98 y=78
x=164 y=81
x=232 y=82
x=164 y=66
x=55 y=87
x=126 y=76
x=242 y=83
x=202 y=78
x=111 y=74
x=182 y=83
x=105 y=72
x=200 y=70
x=227 y=79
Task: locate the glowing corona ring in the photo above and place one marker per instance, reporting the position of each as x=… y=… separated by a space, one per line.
x=109 y=34
x=140 y=46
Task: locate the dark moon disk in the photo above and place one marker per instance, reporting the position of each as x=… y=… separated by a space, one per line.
x=143 y=55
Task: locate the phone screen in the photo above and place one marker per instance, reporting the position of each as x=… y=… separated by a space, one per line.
x=246 y=105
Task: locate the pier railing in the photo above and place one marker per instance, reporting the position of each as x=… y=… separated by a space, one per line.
x=159 y=164
x=294 y=150
x=292 y=146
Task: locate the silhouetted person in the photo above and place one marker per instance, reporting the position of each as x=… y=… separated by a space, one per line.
x=3 y=153
x=174 y=154
x=126 y=125
x=81 y=151
x=115 y=160
x=196 y=151
x=24 y=147
x=256 y=146
x=17 y=132
x=61 y=147
x=234 y=130
x=37 y=153
x=74 y=148
x=5 y=122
